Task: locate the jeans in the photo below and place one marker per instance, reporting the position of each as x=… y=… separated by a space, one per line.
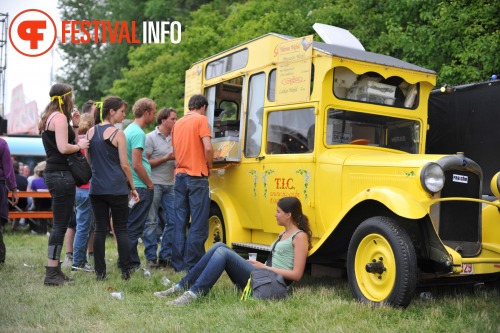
x=101 y=205
x=202 y=277
x=61 y=186
x=163 y=194
x=192 y=199
x=84 y=219
x=136 y=219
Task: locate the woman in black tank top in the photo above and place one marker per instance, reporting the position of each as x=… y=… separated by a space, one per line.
x=111 y=172
x=58 y=140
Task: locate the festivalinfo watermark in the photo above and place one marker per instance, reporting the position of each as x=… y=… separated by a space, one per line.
x=33 y=32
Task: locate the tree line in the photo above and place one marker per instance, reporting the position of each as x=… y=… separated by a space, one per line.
x=460 y=40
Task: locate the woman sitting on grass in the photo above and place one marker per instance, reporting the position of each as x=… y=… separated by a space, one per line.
x=288 y=258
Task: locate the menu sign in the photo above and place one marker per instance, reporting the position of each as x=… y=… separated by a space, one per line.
x=293 y=79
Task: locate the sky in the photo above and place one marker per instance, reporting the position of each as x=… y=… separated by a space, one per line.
x=33 y=72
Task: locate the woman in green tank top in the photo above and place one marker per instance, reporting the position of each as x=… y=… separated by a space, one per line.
x=288 y=257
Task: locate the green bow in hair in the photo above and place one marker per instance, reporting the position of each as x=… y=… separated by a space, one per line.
x=99 y=106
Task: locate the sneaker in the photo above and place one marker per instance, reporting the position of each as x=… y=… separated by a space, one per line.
x=152 y=264
x=184 y=299
x=85 y=267
x=68 y=261
x=170 y=291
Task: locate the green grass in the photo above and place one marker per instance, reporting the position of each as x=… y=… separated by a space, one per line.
x=316 y=305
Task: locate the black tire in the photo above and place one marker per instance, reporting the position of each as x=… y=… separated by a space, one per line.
x=216 y=229
x=381 y=263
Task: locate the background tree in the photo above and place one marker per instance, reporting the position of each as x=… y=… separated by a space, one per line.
x=92 y=68
x=460 y=40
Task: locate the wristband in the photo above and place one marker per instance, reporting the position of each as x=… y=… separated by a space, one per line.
x=76 y=126
x=132 y=189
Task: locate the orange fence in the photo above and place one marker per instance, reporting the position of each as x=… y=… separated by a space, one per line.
x=31 y=214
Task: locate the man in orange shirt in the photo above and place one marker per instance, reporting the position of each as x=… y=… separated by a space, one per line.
x=192 y=143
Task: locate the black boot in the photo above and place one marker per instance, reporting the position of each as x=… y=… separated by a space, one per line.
x=64 y=276
x=126 y=274
x=100 y=276
x=52 y=277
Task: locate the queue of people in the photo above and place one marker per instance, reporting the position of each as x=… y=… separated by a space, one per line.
x=133 y=174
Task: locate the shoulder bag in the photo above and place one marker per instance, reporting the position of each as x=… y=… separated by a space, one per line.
x=265 y=283
x=79 y=167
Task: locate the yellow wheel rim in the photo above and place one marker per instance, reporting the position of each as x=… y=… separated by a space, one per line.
x=215 y=232
x=375 y=249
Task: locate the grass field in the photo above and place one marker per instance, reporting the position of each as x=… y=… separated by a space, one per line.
x=316 y=305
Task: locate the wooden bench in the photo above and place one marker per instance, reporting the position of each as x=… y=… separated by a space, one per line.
x=31 y=214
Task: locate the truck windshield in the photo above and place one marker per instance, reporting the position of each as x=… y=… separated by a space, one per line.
x=348 y=127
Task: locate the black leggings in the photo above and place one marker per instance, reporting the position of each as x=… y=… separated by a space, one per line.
x=61 y=186
x=101 y=205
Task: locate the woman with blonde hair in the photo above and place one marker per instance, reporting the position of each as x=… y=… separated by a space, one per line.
x=58 y=140
x=83 y=210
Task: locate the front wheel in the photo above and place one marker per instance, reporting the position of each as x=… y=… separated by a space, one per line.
x=381 y=263
x=216 y=230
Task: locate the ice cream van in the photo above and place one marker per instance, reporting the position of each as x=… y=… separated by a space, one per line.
x=344 y=130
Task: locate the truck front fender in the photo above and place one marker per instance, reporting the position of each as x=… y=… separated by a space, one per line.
x=397 y=200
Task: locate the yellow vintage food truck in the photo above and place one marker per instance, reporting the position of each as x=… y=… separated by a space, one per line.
x=343 y=130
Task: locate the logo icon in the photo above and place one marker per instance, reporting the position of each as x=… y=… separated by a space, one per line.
x=32 y=32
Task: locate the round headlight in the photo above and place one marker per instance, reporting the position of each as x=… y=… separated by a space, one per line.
x=495 y=185
x=432 y=178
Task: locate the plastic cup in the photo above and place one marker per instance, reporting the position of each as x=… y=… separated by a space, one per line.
x=131 y=202
x=165 y=281
x=147 y=273
x=252 y=256
x=117 y=295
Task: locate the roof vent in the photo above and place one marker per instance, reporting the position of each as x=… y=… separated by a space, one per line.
x=337 y=36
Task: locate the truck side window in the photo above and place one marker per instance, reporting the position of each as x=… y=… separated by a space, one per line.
x=290 y=131
x=271 y=87
x=253 y=133
x=371 y=87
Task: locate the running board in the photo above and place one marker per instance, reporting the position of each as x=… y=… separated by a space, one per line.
x=255 y=246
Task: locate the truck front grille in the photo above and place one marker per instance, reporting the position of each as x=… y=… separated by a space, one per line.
x=460 y=221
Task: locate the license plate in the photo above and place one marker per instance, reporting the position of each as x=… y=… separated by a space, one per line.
x=467 y=269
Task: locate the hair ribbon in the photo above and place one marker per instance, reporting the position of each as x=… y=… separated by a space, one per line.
x=60 y=100
x=99 y=106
